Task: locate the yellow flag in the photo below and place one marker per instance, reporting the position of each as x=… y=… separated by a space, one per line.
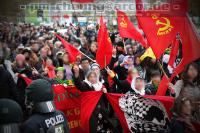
x=148 y=53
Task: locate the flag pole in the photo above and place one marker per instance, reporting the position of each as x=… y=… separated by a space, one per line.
x=124 y=45
x=161 y=68
x=87 y=57
x=60 y=38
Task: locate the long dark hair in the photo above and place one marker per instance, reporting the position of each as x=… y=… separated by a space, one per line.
x=185 y=76
x=179 y=103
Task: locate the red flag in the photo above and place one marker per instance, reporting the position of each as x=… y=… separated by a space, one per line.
x=162 y=88
x=89 y=101
x=190 y=45
x=174 y=52
x=161 y=27
x=127 y=29
x=83 y=1
x=160 y=31
x=104 y=51
x=73 y=52
x=190 y=50
x=114 y=101
x=139 y=8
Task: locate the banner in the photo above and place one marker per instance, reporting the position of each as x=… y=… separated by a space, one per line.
x=78 y=107
x=67 y=99
x=89 y=101
x=137 y=113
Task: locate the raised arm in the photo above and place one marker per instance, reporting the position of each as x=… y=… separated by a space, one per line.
x=77 y=81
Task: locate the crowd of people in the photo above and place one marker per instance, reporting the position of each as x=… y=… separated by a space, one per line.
x=34 y=52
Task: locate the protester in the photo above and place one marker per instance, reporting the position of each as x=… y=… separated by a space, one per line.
x=48 y=68
x=182 y=122
x=67 y=66
x=90 y=83
x=152 y=86
x=124 y=86
x=8 y=87
x=189 y=86
x=84 y=67
x=36 y=54
x=189 y=81
x=98 y=121
x=138 y=85
x=93 y=50
x=122 y=69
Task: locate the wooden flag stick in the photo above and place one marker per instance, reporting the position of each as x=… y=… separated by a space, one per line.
x=87 y=56
x=161 y=68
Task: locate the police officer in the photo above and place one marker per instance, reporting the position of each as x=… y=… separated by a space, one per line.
x=44 y=117
x=10 y=116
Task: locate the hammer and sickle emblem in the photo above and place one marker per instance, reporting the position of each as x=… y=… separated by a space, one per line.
x=166 y=26
x=123 y=23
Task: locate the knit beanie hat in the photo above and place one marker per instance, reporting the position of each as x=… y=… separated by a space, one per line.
x=20 y=57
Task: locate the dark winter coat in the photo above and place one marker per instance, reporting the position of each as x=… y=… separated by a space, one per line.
x=123 y=86
x=101 y=107
x=121 y=72
x=8 y=88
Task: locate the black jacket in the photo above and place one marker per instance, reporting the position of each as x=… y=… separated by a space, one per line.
x=123 y=86
x=82 y=86
x=121 y=72
x=8 y=88
x=43 y=123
